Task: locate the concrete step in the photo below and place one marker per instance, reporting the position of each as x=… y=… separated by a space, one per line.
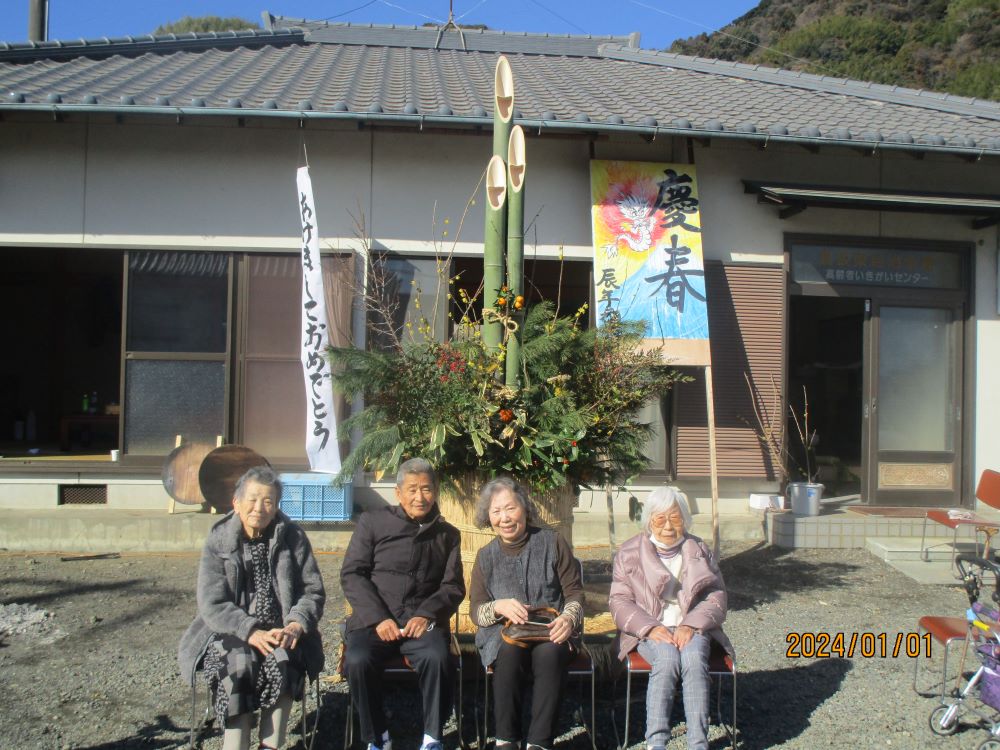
x=907 y=549
x=934 y=573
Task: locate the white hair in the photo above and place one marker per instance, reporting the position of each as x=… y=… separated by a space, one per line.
x=661 y=500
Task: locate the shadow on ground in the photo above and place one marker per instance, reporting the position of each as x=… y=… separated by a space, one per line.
x=162 y=732
x=53 y=589
x=772 y=706
x=762 y=574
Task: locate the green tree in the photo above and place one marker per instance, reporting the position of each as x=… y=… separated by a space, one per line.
x=205 y=23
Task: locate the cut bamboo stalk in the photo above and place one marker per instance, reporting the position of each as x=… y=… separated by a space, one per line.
x=516 y=166
x=494 y=239
x=496 y=213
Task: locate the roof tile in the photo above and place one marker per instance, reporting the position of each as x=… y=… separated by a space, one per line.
x=344 y=70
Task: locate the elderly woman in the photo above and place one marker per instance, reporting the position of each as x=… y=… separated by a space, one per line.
x=669 y=600
x=524 y=566
x=260 y=600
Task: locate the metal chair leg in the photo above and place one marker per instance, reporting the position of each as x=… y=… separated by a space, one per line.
x=733 y=744
x=486 y=709
x=628 y=706
x=923 y=536
x=309 y=735
x=459 y=707
x=349 y=724
x=593 y=706
x=194 y=709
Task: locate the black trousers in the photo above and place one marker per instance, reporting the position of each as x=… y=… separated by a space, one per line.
x=364 y=657
x=545 y=663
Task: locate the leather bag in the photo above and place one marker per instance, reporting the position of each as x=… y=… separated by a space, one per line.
x=534 y=631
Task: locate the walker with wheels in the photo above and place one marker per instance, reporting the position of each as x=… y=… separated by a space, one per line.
x=981 y=694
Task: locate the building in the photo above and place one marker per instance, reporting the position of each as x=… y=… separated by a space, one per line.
x=149 y=237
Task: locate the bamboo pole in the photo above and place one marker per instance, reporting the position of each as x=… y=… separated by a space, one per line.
x=496 y=213
x=496 y=221
x=516 y=165
x=713 y=462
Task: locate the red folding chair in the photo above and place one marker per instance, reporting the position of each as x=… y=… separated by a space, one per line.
x=946 y=631
x=987 y=492
x=721 y=666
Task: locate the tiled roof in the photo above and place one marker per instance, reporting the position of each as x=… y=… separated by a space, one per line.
x=445 y=78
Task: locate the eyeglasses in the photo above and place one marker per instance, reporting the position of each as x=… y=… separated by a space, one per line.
x=660 y=519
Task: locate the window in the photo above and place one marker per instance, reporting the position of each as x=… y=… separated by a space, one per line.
x=176 y=349
x=274 y=403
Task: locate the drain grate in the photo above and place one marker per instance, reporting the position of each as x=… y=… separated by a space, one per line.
x=83 y=494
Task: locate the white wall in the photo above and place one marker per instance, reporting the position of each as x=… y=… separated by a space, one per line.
x=207 y=186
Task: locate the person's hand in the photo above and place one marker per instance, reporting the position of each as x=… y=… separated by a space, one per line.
x=266 y=641
x=683 y=635
x=290 y=635
x=415 y=627
x=388 y=630
x=512 y=609
x=560 y=629
x=661 y=635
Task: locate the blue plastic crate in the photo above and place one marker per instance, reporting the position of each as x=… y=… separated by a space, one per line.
x=314 y=497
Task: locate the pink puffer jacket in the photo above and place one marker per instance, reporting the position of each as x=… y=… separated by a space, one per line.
x=639 y=579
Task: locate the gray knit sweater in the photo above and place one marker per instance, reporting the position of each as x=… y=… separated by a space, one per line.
x=221 y=580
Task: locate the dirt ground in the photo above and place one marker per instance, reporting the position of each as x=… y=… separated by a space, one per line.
x=87 y=655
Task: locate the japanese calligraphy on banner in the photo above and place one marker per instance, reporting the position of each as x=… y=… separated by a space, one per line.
x=321 y=420
x=648 y=263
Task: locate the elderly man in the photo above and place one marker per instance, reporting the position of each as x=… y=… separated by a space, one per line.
x=402 y=574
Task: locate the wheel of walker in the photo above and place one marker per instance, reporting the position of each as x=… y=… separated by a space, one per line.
x=938 y=716
x=990 y=745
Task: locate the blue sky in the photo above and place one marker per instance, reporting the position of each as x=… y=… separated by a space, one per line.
x=659 y=21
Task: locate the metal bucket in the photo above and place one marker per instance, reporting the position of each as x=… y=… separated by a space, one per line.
x=805 y=498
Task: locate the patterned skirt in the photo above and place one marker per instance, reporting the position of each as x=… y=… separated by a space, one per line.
x=243 y=680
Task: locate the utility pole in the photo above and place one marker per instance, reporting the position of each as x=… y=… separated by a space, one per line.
x=38 y=20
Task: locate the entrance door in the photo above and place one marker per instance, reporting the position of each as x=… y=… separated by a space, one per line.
x=912 y=415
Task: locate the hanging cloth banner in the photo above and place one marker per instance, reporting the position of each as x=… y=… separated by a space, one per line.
x=321 y=420
x=648 y=262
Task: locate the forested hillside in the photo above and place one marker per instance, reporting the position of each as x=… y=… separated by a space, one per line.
x=943 y=45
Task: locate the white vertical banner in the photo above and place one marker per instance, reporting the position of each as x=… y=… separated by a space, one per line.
x=321 y=421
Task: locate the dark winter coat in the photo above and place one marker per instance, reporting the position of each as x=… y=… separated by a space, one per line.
x=221 y=583
x=395 y=568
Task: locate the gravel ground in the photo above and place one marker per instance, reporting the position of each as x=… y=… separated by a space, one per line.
x=87 y=655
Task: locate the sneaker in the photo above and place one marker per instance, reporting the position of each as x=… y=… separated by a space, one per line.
x=386 y=745
x=436 y=745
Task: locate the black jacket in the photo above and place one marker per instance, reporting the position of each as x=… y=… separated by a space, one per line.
x=396 y=568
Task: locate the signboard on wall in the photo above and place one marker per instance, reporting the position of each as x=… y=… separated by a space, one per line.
x=321 y=420
x=876 y=266
x=648 y=263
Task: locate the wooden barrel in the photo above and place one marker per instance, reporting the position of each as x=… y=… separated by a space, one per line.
x=180 y=473
x=220 y=471
x=457 y=503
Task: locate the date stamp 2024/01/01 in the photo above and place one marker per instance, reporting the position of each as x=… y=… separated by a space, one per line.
x=820 y=645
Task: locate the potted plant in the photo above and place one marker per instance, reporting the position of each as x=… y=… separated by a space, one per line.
x=800 y=465
x=805 y=496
